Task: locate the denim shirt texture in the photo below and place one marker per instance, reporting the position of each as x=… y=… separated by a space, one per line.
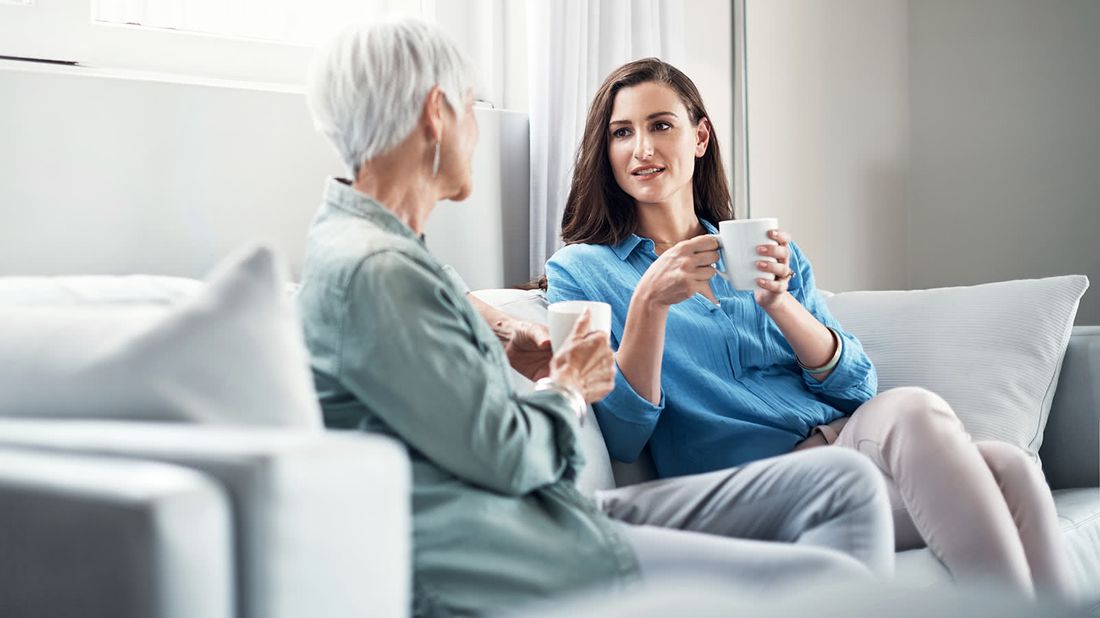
x=731 y=389
x=398 y=350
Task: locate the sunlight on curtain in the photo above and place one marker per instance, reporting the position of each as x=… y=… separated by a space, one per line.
x=572 y=46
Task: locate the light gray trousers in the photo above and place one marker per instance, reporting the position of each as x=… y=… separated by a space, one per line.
x=983 y=508
x=820 y=513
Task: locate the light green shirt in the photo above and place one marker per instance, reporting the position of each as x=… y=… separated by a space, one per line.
x=397 y=349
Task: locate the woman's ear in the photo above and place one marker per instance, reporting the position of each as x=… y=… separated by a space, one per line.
x=702 y=137
x=433 y=114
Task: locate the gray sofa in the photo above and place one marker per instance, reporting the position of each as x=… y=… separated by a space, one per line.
x=1071 y=463
x=128 y=519
x=1070 y=454
x=107 y=519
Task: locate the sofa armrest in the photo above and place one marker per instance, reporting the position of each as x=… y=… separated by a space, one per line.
x=1071 y=442
x=109 y=538
x=322 y=519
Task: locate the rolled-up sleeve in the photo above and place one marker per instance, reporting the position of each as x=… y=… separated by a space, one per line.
x=627 y=419
x=409 y=350
x=853 y=381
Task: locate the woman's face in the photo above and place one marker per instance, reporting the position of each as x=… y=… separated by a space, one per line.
x=652 y=143
x=457 y=151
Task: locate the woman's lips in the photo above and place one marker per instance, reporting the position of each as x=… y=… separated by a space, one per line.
x=643 y=175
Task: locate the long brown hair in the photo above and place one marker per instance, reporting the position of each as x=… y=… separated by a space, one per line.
x=598 y=211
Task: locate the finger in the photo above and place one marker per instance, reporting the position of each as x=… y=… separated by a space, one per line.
x=705 y=257
x=778 y=252
x=779 y=236
x=780 y=270
x=703 y=242
x=540 y=334
x=598 y=344
x=537 y=334
x=775 y=287
x=703 y=273
x=581 y=325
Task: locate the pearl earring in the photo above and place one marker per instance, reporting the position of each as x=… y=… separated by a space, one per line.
x=435 y=161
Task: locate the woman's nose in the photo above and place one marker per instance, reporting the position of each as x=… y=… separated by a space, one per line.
x=643 y=149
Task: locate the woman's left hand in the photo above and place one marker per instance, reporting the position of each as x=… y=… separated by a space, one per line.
x=770 y=293
x=528 y=350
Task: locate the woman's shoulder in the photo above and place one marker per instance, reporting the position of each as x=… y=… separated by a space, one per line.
x=366 y=257
x=581 y=255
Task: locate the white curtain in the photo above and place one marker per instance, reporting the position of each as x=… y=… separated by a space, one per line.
x=572 y=46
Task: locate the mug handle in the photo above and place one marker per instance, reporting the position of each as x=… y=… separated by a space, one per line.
x=721 y=251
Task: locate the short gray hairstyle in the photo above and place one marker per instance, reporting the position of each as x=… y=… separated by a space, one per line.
x=368 y=84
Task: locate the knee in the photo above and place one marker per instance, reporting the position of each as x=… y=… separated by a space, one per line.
x=852 y=477
x=1008 y=461
x=831 y=566
x=919 y=410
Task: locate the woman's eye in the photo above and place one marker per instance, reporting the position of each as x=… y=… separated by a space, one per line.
x=620 y=133
x=661 y=126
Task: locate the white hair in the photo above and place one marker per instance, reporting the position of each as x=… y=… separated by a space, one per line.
x=369 y=83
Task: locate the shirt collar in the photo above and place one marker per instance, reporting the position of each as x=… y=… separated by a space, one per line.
x=339 y=193
x=630 y=243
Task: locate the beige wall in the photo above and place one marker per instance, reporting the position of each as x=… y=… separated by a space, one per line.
x=708 y=51
x=1006 y=142
x=828 y=133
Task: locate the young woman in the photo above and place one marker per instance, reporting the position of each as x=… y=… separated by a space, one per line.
x=397 y=349
x=711 y=378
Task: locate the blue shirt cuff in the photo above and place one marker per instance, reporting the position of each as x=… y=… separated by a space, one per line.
x=852 y=380
x=627 y=419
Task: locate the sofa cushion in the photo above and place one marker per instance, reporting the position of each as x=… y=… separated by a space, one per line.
x=231 y=352
x=1079 y=519
x=1079 y=516
x=95 y=289
x=96 y=536
x=321 y=519
x=530 y=305
x=1071 y=454
x=992 y=351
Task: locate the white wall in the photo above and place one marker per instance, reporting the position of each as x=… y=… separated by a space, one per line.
x=101 y=174
x=109 y=175
x=828 y=133
x=1006 y=142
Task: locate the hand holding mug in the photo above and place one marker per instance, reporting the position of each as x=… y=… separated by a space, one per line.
x=681 y=272
x=584 y=360
x=775 y=263
x=528 y=350
x=756 y=257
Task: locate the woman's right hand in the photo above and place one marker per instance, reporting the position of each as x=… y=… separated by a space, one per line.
x=585 y=361
x=681 y=271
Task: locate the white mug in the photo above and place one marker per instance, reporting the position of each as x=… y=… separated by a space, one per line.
x=739 y=239
x=562 y=316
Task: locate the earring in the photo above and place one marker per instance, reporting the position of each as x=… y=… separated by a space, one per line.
x=435 y=161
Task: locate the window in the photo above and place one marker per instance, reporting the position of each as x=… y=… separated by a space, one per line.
x=268 y=41
x=249 y=40
x=284 y=21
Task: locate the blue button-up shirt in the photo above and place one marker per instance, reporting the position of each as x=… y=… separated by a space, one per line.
x=731 y=389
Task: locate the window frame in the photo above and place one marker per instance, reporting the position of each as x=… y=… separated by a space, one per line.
x=64 y=31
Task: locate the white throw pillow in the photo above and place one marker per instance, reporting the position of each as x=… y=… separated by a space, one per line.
x=231 y=352
x=95 y=289
x=530 y=306
x=992 y=351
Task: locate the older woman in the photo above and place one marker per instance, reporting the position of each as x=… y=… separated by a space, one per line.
x=398 y=350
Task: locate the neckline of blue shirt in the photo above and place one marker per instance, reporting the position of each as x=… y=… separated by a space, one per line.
x=630 y=243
